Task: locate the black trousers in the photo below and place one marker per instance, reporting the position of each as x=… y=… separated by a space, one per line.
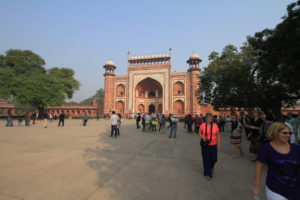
x=61 y=121
x=196 y=129
x=161 y=126
x=209 y=158
x=138 y=124
x=189 y=130
x=221 y=127
x=114 y=130
x=84 y=122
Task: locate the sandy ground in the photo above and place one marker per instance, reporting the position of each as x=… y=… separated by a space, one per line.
x=76 y=162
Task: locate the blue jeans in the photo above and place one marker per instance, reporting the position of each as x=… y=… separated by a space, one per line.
x=173 y=131
x=209 y=158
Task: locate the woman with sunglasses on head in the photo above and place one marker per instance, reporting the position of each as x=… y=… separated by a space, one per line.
x=210 y=144
x=283 y=162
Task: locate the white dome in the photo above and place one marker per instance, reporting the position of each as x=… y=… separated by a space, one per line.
x=110 y=63
x=194 y=55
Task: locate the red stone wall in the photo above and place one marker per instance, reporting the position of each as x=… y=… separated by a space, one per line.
x=109 y=96
x=195 y=107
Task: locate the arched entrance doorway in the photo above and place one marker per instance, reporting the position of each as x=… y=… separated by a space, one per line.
x=141 y=108
x=148 y=92
x=119 y=107
x=151 y=108
x=178 y=107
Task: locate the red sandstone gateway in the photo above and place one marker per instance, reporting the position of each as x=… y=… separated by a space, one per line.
x=151 y=86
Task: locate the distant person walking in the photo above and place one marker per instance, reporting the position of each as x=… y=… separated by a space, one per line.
x=189 y=122
x=10 y=122
x=173 y=124
x=143 y=122
x=254 y=127
x=283 y=165
x=236 y=136
x=61 y=119
x=85 y=118
x=147 y=122
x=33 y=116
x=45 y=118
x=138 y=119
x=162 y=123
x=114 y=123
x=295 y=124
x=197 y=122
x=119 y=124
x=210 y=144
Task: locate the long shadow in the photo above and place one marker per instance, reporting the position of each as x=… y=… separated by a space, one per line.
x=139 y=165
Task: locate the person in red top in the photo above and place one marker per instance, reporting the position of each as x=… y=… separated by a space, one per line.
x=209 y=131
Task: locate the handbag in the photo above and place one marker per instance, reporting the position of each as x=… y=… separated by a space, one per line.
x=204 y=143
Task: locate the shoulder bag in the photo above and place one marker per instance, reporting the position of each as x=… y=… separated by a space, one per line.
x=204 y=143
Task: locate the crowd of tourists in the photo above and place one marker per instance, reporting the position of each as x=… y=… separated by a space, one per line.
x=273 y=143
x=30 y=118
x=157 y=122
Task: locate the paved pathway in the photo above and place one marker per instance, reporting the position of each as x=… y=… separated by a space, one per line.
x=77 y=163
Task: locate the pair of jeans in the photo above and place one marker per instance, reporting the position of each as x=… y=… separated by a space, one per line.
x=209 y=158
x=173 y=131
x=114 y=129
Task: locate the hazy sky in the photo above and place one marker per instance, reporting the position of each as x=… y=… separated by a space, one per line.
x=83 y=35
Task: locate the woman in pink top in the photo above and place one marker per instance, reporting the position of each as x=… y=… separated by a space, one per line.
x=209 y=131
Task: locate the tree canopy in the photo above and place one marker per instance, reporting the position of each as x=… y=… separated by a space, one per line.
x=26 y=82
x=98 y=96
x=263 y=73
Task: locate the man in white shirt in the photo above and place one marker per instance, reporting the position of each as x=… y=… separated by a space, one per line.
x=114 y=122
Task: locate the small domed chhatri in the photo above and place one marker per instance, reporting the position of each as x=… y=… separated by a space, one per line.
x=109 y=62
x=194 y=55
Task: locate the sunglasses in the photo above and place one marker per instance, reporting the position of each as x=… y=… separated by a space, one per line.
x=286 y=132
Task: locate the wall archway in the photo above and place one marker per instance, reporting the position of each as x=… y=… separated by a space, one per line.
x=178 y=107
x=178 y=89
x=151 y=108
x=119 y=107
x=141 y=108
x=120 y=91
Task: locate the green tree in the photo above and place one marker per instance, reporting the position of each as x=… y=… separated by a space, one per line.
x=28 y=83
x=228 y=80
x=277 y=53
x=98 y=96
x=264 y=73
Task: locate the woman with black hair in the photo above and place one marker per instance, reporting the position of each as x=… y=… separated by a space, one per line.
x=210 y=144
